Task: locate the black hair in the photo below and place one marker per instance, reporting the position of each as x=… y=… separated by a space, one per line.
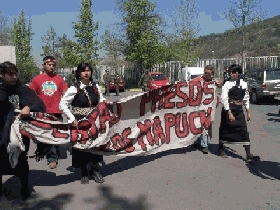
x=48 y=57
x=7 y=66
x=236 y=68
x=81 y=67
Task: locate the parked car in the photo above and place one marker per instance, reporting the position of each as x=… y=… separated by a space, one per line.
x=263 y=82
x=159 y=80
x=113 y=85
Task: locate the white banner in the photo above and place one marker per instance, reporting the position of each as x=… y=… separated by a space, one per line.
x=167 y=118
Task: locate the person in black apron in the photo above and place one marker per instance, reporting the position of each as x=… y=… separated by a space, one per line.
x=233 y=126
x=76 y=104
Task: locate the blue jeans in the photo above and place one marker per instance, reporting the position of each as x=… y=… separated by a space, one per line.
x=203 y=140
x=52 y=153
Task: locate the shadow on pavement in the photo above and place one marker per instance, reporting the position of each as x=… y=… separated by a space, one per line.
x=268 y=101
x=55 y=203
x=107 y=199
x=213 y=148
x=12 y=199
x=265 y=169
x=272 y=115
x=47 y=178
x=133 y=161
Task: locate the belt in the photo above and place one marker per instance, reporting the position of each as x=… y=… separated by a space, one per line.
x=236 y=101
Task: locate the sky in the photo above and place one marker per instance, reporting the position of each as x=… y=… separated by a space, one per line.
x=62 y=13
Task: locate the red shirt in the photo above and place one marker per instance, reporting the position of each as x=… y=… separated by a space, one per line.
x=50 y=90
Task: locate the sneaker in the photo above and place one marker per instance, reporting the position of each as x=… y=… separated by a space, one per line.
x=204 y=150
x=53 y=165
x=96 y=175
x=84 y=180
x=251 y=158
x=222 y=153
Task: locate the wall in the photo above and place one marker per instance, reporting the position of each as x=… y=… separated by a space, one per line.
x=7 y=53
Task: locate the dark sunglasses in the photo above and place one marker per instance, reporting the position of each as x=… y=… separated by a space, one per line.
x=234 y=72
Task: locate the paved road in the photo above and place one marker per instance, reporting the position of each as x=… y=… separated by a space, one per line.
x=180 y=179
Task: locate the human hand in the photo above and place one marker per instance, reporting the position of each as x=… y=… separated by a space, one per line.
x=231 y=117
x=249 y=117
x=25 y=112
x=75 y=124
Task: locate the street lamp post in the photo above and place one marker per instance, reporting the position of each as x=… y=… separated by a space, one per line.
x=213 y=54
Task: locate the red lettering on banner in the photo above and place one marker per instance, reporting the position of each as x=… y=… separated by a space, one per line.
x=192 y=100
x=93 y=130
x=27 y=134
x=116 y=138
x=158 y=131
x=157 y=98
x=115 y=118
x=182 y=123
x=181 y=95
x=58 y=134
x=169 y=95
x=193 y=129
x=145 y=99
x=39 y=124
x=208 y=90
x=104 y=116
x=170 y=121
x=122 y=143
x=128 y=142
x=145 y=129
x=82 y=131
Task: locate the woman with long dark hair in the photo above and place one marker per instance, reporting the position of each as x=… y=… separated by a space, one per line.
x=82 y=97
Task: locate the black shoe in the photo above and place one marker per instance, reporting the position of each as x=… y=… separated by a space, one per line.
x=97 y=176
x=251 y=158
x=204 y=150
x=222 y=153
x=84 y=180
x=26 y=193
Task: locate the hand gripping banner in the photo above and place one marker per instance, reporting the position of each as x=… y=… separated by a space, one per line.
x=146 y=123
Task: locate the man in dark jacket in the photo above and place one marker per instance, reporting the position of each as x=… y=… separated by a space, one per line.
x=15 y=98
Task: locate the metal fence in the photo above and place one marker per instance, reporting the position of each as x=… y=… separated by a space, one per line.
x=132 y=73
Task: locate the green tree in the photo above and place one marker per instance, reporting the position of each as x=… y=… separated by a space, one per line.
x=142 y=26
x=57 y=46
x=5 y=31
x=49 y=43
x=242 y=13
x=114 y=47
x=85 y=32
x=180 y=43
x=21 y=38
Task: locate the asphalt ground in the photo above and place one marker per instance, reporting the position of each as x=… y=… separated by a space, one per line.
x=181 y=179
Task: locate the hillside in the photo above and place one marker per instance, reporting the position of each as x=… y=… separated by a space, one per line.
x=261 y=39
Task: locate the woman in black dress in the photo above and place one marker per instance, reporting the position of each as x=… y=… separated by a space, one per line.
x=233 y=127
x=82 y=97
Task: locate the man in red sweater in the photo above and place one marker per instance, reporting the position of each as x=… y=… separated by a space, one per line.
x=50 y=87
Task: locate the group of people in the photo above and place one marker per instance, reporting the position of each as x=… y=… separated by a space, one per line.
x=233 y=126
x=49 y=93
